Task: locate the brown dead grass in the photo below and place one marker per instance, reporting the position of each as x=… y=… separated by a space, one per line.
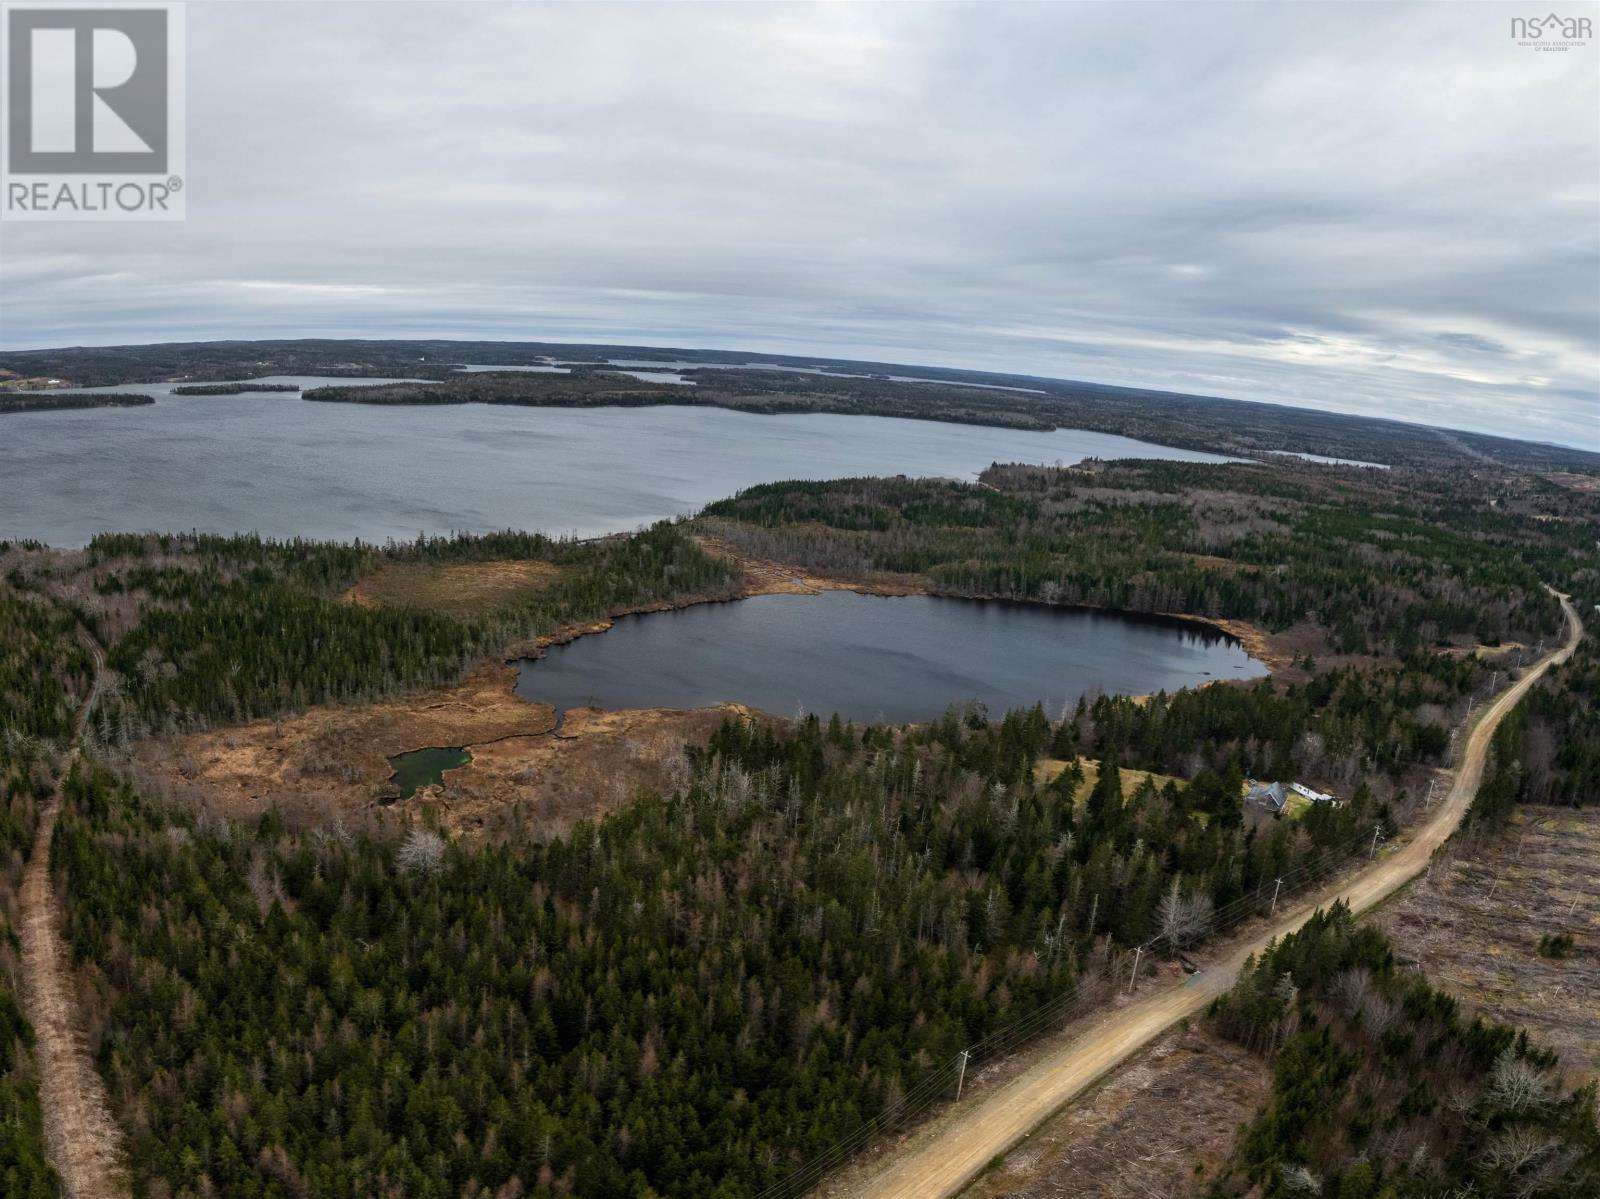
x=1046 y=770
x=1277 y=650
x=1226 y=565
x=339 y=755
x=766 y=577
x=1573 y=480
x=334 y=760
x=1473 y=926
x=1143 y=1130
x=600 y=761
x=467 y=587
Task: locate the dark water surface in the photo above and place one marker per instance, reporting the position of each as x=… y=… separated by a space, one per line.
x=285 y=467
x=871 y=658
x=425 y=768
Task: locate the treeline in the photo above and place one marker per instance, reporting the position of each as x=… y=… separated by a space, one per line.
x=686 y=1000
x=763 y=392
x=29 y=401
x=1196 y=422
x=44 y=667
x=233 y=628
x=1343 y=724
x=776 y=392
x=89 y=366
x=1364 y=560
x=24 y=1171
x=232 y=389
x=1382 y=1089
x=582 y=390
x=25 y=785
x=26 y=782
x=1504 y=776
x=1560 y=753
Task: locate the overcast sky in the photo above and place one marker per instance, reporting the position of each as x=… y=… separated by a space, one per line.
x=1379 y=208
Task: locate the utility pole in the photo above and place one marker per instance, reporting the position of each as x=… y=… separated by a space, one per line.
x=1276 y=887
x=1137 y=951
x=962 y=1077
x=1377 y=831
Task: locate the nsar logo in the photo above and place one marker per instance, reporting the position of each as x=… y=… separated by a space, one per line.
x=1551 y=32
x=94 y=126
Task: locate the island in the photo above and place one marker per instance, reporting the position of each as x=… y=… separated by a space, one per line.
x=67 y=400
x=231 y=389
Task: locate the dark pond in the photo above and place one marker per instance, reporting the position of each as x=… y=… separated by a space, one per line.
x=877 y=659
x=425 y=768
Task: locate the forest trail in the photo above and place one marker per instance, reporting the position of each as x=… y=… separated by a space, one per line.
x=943 y=1165
x=83 y=1141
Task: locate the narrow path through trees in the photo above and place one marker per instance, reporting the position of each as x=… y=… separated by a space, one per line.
x=82 y=1139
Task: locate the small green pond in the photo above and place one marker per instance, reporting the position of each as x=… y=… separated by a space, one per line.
x=425 y=767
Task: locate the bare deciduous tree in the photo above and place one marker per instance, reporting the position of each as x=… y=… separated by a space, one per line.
x=1301 y=1180
x=1181 y=918
x=1516 y=1084
x=1518 y=1147
x=421 y=853
x=1351 y=987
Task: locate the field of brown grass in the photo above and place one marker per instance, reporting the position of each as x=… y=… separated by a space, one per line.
x=1046 y=769
x=523 y=774
x=766 y=577
x=466 y=588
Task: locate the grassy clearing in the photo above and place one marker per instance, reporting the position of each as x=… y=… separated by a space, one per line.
x=1046 y=769
x=1295 y=806
x=460 y=589
x=335 y=760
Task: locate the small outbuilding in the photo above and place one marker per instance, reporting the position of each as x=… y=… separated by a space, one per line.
x=1313 y=795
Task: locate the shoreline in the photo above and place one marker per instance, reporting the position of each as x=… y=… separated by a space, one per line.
x=766 y=577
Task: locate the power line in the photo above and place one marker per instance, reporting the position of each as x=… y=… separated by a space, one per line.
x=1324 y=863
x=997 y=1041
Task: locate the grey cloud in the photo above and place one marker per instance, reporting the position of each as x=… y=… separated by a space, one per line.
x=1471 y=341
x=1386 y=209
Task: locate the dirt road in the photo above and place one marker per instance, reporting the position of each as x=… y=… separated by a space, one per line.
x=944 y=1165
x=83 y=1142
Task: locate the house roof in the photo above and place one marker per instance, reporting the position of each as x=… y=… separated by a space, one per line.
x=1271 y=794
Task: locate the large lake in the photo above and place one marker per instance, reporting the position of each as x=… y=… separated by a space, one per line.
x=871 y=658
x=284 y=467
